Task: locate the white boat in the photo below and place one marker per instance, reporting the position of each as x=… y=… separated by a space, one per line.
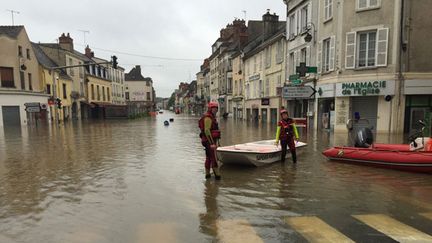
x=255 y=153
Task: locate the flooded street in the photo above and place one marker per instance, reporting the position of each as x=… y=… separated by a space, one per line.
x=139 y=181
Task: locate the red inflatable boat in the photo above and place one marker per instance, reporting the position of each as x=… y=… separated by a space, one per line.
x=392 y=156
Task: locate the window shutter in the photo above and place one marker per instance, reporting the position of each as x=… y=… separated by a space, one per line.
x=382 y=47
x=332 y=53
x=325 y=9
x=319 y=56
x=309 y=14
x=295 y=61
x=308 y=56
x=350 y=50
x=297 y=23
x=288 y=28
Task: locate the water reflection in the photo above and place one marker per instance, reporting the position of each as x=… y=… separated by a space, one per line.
x=118 y=181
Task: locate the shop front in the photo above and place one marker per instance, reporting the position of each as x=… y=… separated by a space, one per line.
x=418 y=105
x=369 y=100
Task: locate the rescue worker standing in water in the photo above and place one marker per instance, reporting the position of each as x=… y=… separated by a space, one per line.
x=287 y=133
x=210 y=135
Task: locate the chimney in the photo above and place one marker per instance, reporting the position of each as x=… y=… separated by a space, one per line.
x=66 y=42
x=138 y=68
x=88 y=52
x=271 y=24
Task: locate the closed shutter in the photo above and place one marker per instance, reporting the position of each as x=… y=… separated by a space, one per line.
x=367 y=106
x=350 y=50
x=309 y=14
x=288 y=28
x=11 y=116
x=298 y=21
x=382 y=47
x=308 y=56
x=332 y=53
x=319 y=56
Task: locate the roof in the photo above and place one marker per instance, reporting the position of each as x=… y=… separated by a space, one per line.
x=11 y=31
x=258 y=43
x=78 y=54
x=135 y=75
x=45 y=61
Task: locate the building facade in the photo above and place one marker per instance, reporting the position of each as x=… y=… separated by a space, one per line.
x=19 y=80
x=139 y=92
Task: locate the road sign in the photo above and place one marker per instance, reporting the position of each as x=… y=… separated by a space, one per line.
x=296 y=81
x=32 y=109
x=293 y=77
x=298 y=92
x=312 y=70
x=32 y=104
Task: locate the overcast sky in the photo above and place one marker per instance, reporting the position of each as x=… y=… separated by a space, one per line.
x=180 y=29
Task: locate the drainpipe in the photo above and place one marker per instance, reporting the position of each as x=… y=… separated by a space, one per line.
x=401 y=78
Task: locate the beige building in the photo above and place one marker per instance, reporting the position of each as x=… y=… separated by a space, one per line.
x=238 y=85
x=19 y=80
x=372 y=67
x=139 y=92
x=264 y=64
x=62 y=88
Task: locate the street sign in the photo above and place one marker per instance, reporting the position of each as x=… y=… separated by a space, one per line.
x=33 y=109
x=32 y=104
x=293 y=77
x=296 y=81
x=298 y=92
x=312 y=70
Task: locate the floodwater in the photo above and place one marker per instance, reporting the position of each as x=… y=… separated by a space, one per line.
x=139 y=181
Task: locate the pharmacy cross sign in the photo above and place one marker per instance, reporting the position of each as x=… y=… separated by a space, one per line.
x=303 y=69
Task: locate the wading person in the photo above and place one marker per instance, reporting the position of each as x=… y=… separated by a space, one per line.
x=210 y=135
x=286 y=133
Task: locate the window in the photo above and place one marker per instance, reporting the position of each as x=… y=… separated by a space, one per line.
x=22 y=79
x=98 y=92
x=292 y=27
x=71 y=70
x=267 y=88
x=103 y=93
x=367 y=4
x=268 y=57
x=326 y=55
x=108 y=94
x=30 y=81
x=279 y=80
x=48 y=88
x=64 y=91
x=6 y=77
x=304 y=18
x=148 y=96
x=127 y=95
x=92 y=92
x=147 y=83
x=328 y=9
x=81 y=70
x=240 y=87
x=82 y=88
x=303 y=55
x=291 y=63
x=28 y=53
x=20 y=52
x=366 y=49
x=279 y=53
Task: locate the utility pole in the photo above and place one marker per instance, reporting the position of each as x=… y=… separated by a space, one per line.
x=84 y=33
x=12 y=13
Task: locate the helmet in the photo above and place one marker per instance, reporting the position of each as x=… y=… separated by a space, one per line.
x=283 y=111
x=212 y=105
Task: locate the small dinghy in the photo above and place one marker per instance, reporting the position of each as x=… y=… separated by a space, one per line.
x=257 y=153
x=166 y=123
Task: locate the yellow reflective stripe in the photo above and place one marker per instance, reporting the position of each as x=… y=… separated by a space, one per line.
x=295 y=131
x=278 y=133
x=393 y=228
x=237 y=231
x=315 y=230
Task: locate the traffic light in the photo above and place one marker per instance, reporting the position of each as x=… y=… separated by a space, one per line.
x=59 y=104
x=114 y=62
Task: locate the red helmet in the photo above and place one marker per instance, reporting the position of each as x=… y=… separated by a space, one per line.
x=212 y=105
x=283 y=111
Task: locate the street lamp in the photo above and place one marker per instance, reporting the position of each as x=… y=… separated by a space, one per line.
x=309 y=36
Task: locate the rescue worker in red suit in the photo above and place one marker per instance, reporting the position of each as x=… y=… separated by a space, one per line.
x=210 y=136
x=287 y=133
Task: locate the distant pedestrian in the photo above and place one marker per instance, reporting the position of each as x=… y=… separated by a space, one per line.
x=210 y=136
x=286 y=133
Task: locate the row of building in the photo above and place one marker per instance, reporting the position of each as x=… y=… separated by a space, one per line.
x=33 y=89
x=372 y=59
